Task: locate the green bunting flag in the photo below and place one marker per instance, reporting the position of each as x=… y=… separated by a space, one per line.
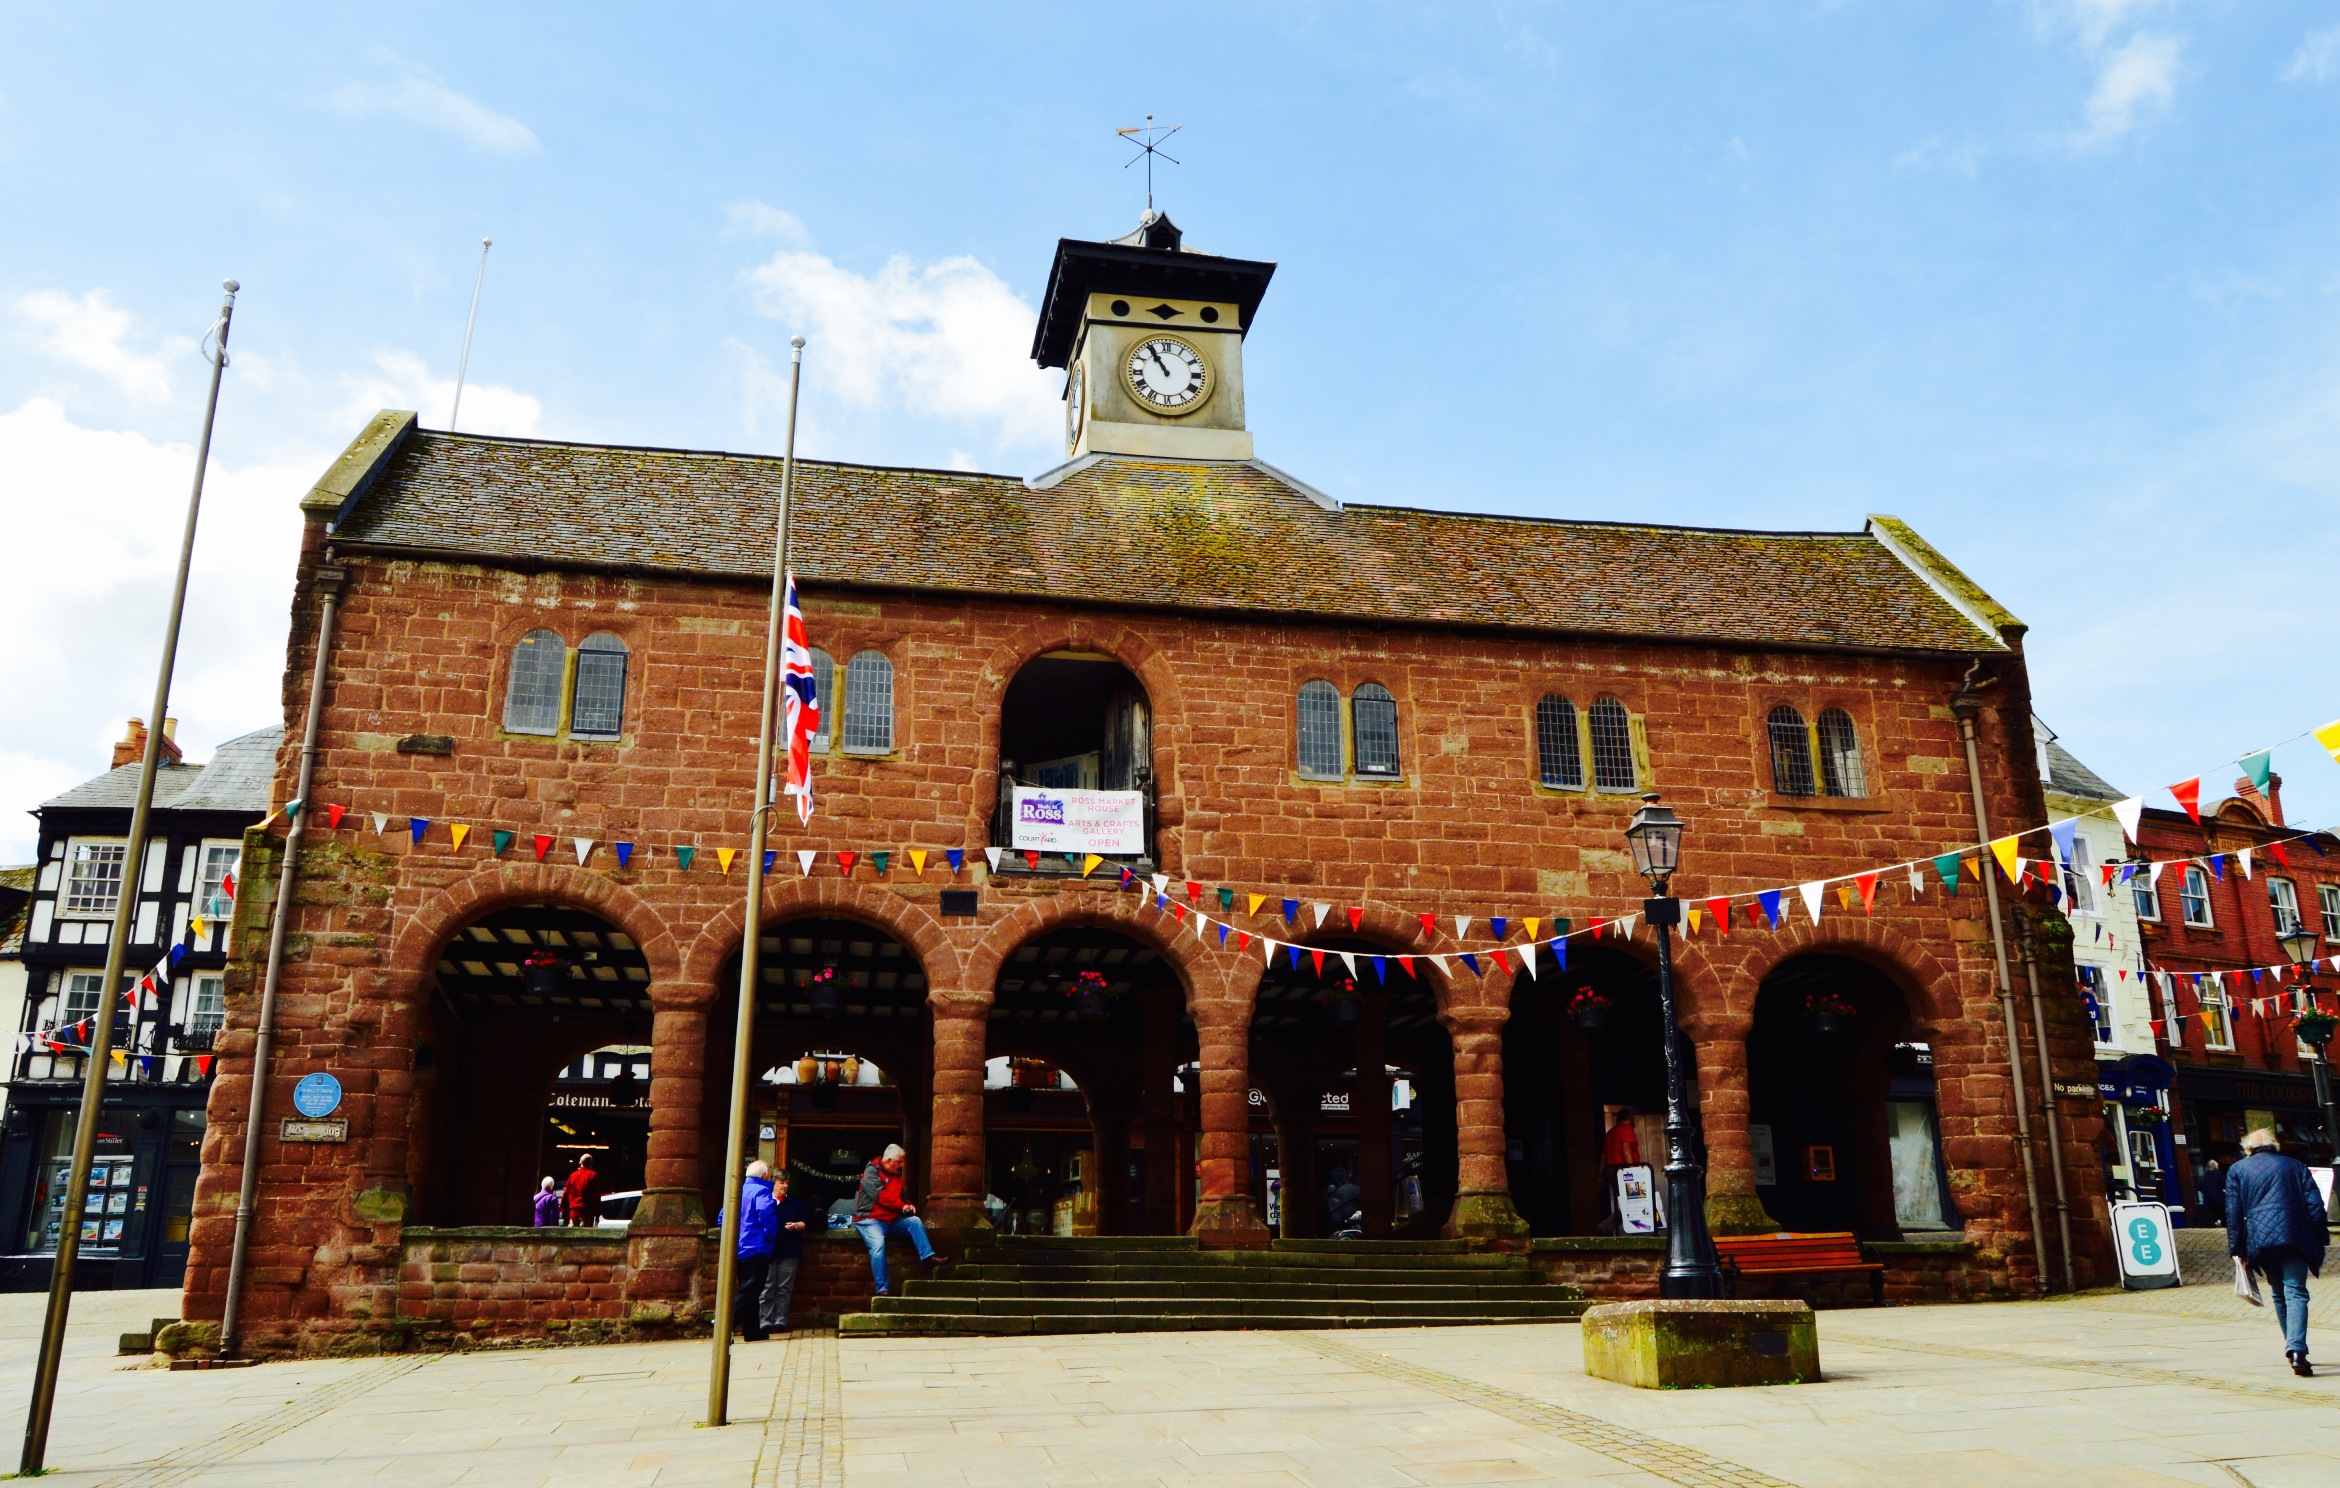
x=683 y=855
x=503 y=840
x=1947 y=866
x=2260 y=767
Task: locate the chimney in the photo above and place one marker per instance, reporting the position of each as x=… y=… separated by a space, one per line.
x=132 y=747
x=2269 y=805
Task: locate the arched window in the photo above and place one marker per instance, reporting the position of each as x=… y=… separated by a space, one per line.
x=1559 y=757
x=1840 y=755
x=1320 y=731
x=869 y=704
x=532 y=695
x=824 y=693
x=1373 y=717
x=1791 y=752
x=1612 y=746
x=598 y=708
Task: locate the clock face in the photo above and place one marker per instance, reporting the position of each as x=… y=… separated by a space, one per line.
x=1167 y=375
x=1072 y=408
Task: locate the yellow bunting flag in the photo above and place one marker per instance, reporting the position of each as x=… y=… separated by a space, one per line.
x=2004 y=851
x=724 y=855
x=1691 y=918
x=1844 y=895
x=918 y=860
x=120 y=1060
x=2329 y=737
x=198 y=927
x=1256 y=901
x=458 y=831
x=1966 y=867
x=1534 y=923
x=1089 y=864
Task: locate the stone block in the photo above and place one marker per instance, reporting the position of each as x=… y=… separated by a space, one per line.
x=1678 y=1345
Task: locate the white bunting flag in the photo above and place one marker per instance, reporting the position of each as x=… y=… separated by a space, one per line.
x=1267 y=951
x=2153 y=875
x=2127 y=813
x=1437 y=961
x=381 y=822
x=991 y=854
x=804 y=860
x=1348 y=960
x=584 y=846
x=1161 y=883
x=1527 y=959
x=2244 y=857
x=1624 y=927
x=1462 y=926
x=1917 y=883
x=1321 y=911
x=1811 y=892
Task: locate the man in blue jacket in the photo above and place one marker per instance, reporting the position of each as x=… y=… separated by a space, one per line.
x=2275 y=1221
x=759 y=1224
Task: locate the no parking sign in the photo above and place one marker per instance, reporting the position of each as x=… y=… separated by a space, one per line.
x=2148 y=1250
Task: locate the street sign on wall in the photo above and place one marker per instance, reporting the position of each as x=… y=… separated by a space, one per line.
x=2147 y=1246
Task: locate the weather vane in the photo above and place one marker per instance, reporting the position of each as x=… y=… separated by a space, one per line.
x=1148 y=138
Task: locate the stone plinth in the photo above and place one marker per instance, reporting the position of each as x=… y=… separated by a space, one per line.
x=1684 y=1345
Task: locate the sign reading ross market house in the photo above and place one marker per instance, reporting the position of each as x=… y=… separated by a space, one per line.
x=1108 y=823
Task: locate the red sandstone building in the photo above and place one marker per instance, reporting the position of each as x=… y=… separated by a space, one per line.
x=1393 y=713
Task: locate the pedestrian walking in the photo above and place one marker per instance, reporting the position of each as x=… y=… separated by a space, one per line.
x=758 y=1224
x=2276 y=1225
x=581 y=1195
x=547 y=1204
x=2214 y=1192
x=879 y=1211
x=790 y=1220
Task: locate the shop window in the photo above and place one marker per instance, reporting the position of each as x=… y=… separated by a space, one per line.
x=825 y=694
x=2283 y=898
x=1612 y=746
x=1374 y=715
x=1320 y=731
x=869 y=704
x=1559 y=757
x=1791 y=753
x=598 y=710
x=532 y=695
x=93 y=877
x=2194 y=897
x=1840 y=755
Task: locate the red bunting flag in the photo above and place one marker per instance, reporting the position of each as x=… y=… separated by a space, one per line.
x=2280 y=855
x=1429 y=923
x=1318 y=958
x=1497 y=953
x=1031 y=857
x=333 y=816
x=1408 y=963
x=1719 y=910
x=1356 y=919
x=1242 y=939
x=1598 y=926
x=1867 y=883
x=1179 y=910
x=848 y=857
x=2189 y=795
x=1193 y=892
x=543 y=846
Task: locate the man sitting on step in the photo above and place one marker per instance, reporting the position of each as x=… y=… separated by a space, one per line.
x=879 y=1211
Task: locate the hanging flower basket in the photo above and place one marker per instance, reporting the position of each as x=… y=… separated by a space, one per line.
x=1092 y=999
x=1830 y=1013
x=825 y=992
x=2315 y=1029
x=1342 y=1001
x=1588 y=1009
x=544 y=973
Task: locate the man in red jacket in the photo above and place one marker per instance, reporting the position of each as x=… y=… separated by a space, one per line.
x=582 y=1193
x=879 y=1210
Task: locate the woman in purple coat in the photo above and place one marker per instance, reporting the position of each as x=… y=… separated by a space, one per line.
x=548 y=1204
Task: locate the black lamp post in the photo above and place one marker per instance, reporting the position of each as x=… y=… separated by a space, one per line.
x=2299 y=943
x=1656 y=839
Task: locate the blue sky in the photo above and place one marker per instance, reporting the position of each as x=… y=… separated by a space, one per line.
x=2055 y=281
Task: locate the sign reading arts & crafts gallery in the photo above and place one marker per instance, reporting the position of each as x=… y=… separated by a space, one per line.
x=1109 y=823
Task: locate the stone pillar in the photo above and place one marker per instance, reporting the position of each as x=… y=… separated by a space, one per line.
x=666 y=1244
x=1293 y=1109
x=1369 y=1103
x=1868 y=1164
x=1158 y=1107
x=1109 y=1160
x=1226 y=1216
x=954 y=1159
x=1482 y=1200
x=1732 y=1205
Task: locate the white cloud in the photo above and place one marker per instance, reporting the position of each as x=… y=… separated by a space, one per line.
x=2139 y=77
x=91 y=332
x=401 y=379
x=95 y=517
x=417 y=96
x=2094 y=21
x=947 y=341
x=2318 y=59
x=755 y=219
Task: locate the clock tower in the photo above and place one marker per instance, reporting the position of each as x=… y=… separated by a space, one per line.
x=1150 y=334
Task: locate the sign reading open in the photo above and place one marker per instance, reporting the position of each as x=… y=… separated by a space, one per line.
x=1079 y=821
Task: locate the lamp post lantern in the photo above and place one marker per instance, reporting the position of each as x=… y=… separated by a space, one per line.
x=1655 y=836
x=2299 y=943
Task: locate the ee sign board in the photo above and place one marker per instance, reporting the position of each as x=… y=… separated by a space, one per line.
x=1107 y=823
x=2147 y=1249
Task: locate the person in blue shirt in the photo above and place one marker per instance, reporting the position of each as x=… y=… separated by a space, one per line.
x=790 y=1219
x=758 y=1230
x=2275 y=1222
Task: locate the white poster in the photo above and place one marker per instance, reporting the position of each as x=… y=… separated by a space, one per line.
x=1636 y=1200
x=1079 y=821
x=1759 y=1146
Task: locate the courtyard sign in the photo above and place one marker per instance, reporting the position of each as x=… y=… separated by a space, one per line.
x=1109 y=823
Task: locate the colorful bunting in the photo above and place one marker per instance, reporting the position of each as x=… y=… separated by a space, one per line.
x=502 y=840
x=418 y=825
x=723 y=857
x=683 y=856
x=544 y=844
x=2189 y=795
x=458 y=831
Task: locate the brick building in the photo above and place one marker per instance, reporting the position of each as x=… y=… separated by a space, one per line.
x=1388 y=712
x=2238 y=1066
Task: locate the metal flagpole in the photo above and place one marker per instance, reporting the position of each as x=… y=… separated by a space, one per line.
x=469 y=323
x=726 y=1259
x=101 y=1038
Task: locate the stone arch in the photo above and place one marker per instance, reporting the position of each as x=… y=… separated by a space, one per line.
x=1929 y=985
x=843 y=898
x=1128 y=914
x=435 y=921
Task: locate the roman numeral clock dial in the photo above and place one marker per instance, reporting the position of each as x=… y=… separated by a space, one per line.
x=1167 y=375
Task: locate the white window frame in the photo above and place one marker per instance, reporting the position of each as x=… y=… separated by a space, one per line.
x=73 y=877
x=2218 y=1031
x=225 y=854
x=79 y=996
x=2283 y=899
x=2194 y=889
x=2145 y=894
x=2328 y=900
x=2076 y=885
x=207 y=1009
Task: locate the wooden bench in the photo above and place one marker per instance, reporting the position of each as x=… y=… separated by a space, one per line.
x=1787 y=1254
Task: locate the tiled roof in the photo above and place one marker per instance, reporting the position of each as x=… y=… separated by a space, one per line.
x=2067 y=776
x=1185 y=534
x=240 y=777
x=16 y=886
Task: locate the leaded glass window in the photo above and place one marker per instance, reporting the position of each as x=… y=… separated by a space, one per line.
x=1320 y=731
x=1791 y=752
x=599 y=708
x=1612 y=746
x=1559 y=756
x=1374 y=713
x=869 y=704
x=825 y=694
x=93 y=877
x=1840 y=755
x=532 y=697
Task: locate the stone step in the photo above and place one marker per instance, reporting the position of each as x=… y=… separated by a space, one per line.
x=1377 y=1247
x=932 y=1325
x=1095 y=1242
x=1493 y=1289
x=1557 y=1307
x=1517 y=1275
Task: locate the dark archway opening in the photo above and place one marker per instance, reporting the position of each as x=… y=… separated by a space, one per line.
x=843 y=1050
x=519 y=998
x=1074 y=720
x=1841 y=1112
x=1354 y=1129
x=1091 y=1129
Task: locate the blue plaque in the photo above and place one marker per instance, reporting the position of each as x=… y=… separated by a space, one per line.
x=317 y=1095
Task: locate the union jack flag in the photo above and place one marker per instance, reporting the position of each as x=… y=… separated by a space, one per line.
x=800 y=702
